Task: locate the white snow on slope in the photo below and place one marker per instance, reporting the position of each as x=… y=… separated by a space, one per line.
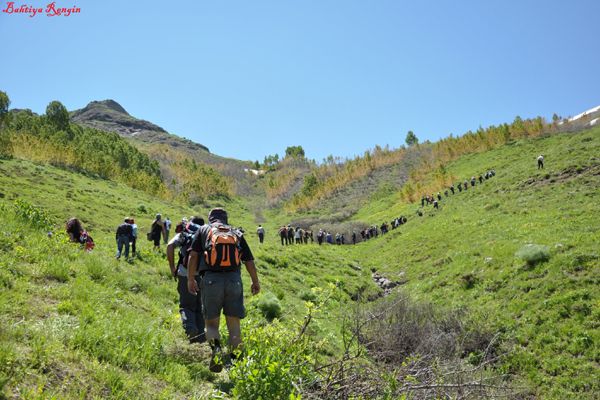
x=583 y=114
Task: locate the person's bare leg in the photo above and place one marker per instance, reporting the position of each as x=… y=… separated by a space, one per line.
x=213 y=338
x=235 y=332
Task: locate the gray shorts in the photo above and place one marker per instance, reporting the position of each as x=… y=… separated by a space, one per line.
x=222 y=291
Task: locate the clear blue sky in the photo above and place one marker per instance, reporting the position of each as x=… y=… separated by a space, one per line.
x=248 y=78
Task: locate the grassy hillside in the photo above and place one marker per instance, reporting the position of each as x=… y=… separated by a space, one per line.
x=84 y=325
x=463 y=255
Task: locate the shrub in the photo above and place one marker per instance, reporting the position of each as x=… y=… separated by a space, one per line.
x=34 y=215
x=276 y=363
x=533 y=254
x=269 y=306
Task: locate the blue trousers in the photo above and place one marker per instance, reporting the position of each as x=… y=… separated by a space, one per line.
x=123 y=240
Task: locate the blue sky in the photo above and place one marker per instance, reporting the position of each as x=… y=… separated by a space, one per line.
x=249 y=78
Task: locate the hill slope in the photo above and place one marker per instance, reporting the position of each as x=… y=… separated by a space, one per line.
x=464 y=255
x=110 y=116
x=84 y=325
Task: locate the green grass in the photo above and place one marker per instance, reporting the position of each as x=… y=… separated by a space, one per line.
x=465 y=255
x=76 y=324
x=84 y=325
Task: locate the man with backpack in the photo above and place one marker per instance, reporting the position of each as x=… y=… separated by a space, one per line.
x=124 y=236
x=223 y=249
x=190 y=306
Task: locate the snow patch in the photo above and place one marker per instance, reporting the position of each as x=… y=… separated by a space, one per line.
x=254 y=171
x=594 y=121
x=583 y=114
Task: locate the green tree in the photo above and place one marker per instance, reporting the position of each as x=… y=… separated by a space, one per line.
x=58 y=115
x=411 y=139
x=4 y=103
x=294 y=151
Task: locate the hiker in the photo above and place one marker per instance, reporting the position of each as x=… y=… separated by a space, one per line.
x=123 y=237
x=156 y=231
x=261 y=233
x=179 y=227
x=459 y=187
x=435 y=204
x=466 y=185
x=353 y=237
x=320 y=236
x=221 y=284
x=190 y=306
x=480 y=179
x=329 y=238
x=134 y=234
x=472 y=181
x=167 y=225
x=439 y=196
x=283 y=235
x=298 y=235
x=540 y=161
x=79 y=235
x=446 y=193
x=452 y=189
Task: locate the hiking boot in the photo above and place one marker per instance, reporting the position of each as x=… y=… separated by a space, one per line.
x=216 y=358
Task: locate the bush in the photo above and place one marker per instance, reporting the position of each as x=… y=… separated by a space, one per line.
x=533 y=254
x=276 y=363
x=269 y=306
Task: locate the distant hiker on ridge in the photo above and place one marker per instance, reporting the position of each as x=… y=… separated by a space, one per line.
x=540 y=161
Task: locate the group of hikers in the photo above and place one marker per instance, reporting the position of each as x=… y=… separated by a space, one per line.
x=208 y=274
x=290 y=235
x=127 y=234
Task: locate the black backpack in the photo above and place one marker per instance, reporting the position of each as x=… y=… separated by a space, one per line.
x=187 y=236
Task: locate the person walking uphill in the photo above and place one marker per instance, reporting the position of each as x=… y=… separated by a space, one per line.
x=190 y=306
x=156 y=231
x=223 y=249
x=124 y=236
x=540 y=161
x=261 y=233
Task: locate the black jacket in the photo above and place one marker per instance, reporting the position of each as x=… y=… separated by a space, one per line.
x=124 y=229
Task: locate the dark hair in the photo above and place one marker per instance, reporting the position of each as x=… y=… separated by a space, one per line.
x=197 y=220
x=74 y=228
x=217 y=214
